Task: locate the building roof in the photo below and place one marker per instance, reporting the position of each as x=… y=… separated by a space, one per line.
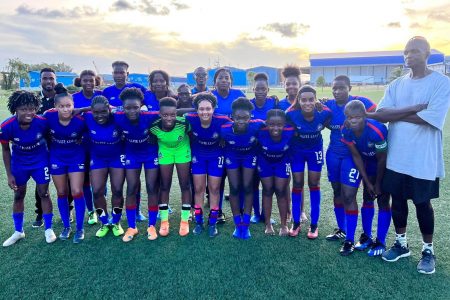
x=60 y=74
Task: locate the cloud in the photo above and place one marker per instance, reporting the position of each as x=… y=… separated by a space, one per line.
x=144 y=6
x=289 y=30
x=417 y=25
x=439 y=13
x=76 y=12
x=179 y=5
x=394 y=25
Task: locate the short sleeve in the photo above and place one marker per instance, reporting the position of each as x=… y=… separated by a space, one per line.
x=346 y=136
x=4 y=133
x=388 y=99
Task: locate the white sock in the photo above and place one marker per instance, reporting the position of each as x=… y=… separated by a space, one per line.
x=426 y=246
x=401 y=238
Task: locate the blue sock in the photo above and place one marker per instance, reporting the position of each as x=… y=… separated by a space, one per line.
x=198 y=214
x=18 y=221
x=296 y=204
x=131 y=216
x=116 y=215
x=352 y=222
x=314 y=195
x=63 y=206
x=88 y=197
x=152 y=215
x=237 y=220
x=80 y=205
x=103 y=216
x=246 y=219
x=48 y=220
x=256 y=206
x=339 y=212
x=384 y=221
x=213 y=214
x=367 y=213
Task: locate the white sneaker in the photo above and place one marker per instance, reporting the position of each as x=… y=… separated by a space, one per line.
x=50 y=236
x=16 y=236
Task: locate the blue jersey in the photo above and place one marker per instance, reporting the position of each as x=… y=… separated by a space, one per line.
x=308 y=133
x=29 y=147
x=371 y=141
x=224 y=104
x=261 y=112
x=205 y=142
x=239 y=145
x=65 y=141
x=80 y=101
x=274 y=151
x=337 y=121
x=196 y=91
x=105 y=140
x=138 y=139
x=284 y=104
x=150 y=101
x=112 y=92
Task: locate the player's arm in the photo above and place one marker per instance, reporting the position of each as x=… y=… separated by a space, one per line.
x=381 y=168
x=6 y=153
x=360 y=166
x=407 y=114
x=77 y=111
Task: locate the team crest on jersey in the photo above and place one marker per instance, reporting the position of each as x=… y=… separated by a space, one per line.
x=232 y=142
x=115 y=133
x=195 y=133
x=16 y=139
x=160 y=155
x=252 y=139
x=93 y=132
x=74 y=134
x=264 y=148
x=194 y=159
x=180 y=137
x=370 y=144
x=286 y=147
x=52 y=131
x=215 y=135
x=38 y=136
x=319 y=127
x=145 y=131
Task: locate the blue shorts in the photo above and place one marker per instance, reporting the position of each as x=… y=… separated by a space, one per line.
x=212 y=166
x=314 y=159
x=117 y=162
x=61 y=168
x=280 y=169
x=342 y=169
x=136 y=162
x=23 y=173
x=248 y=162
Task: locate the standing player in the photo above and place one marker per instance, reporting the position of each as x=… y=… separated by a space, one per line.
x=207 y=158
x=174 y=149
x=307 y=147
x=273 y=166
x=292 y=84
x=366 y=140
x=107 y=157
x=29 y=158
x=412 y=173
x=240 y=159
x=120 y=76
x=340 y=166
x=88 y=80
x=159 y=82
x=201 y=79
x=140 y=151
x=184 y=99
x=67 y=159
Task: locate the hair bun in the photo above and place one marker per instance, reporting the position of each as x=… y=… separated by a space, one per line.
x=60 y=89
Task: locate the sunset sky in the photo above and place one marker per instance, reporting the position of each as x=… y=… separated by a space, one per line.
x=179 y=35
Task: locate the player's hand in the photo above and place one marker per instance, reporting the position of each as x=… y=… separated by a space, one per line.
x=275 y=97
x=346 y=124
x=378 y=189
x=76 y=111
x=12 y=183
x=323 y=100
x=319 y=106
x=420 y=107
x=371 y=189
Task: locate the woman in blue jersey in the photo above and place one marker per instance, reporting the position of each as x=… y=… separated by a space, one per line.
x=159 y=88
x=107 y=157
x=274 y=167
x=292 y=85
x=141 y=150
x=67 y=159
x=88 y=81
x=307 y=148
x=240 y=160
x=29 y=158
x=207 y=158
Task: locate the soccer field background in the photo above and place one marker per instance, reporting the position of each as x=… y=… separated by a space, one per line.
x=197 y=267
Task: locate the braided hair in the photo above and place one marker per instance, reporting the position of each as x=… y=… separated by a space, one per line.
x=22 y=98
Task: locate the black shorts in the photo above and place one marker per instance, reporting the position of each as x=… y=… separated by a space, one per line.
x=407 y=187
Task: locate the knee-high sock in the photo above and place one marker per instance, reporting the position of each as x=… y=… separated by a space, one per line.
x=198 y=214
x=352 y=222
x=185 y=212
x=152 y=215
x=164 y=212
x=48 y=220
x=80 y=206
x=103 y=216
x=296 y=204
x=18 y=221
x=384 y=221
x=213 y=214
x=88 y=197
x=314 y=194
x=131 y=216
x=63 y=207
x=339 y=212
x=116 y=215
x=367 y=213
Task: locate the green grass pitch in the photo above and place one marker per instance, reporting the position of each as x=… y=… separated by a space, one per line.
x=196 y=267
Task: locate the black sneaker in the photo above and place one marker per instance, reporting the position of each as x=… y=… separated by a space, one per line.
x=336 y=235
x=212 y=231
x=65 y=234
x=198 y=229
x=78 y=237
x=427 y=263
x=396 y=252
x=364 y=242
x=347 y=248
x=38 y=222
x=221 y=219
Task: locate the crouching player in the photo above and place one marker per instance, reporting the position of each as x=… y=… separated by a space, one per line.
x=173 y=149
x=29 y=158
x=274 y=168
x=107 y=157
x=366 y=140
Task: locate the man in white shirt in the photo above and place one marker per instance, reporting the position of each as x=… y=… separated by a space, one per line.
x=415 y=105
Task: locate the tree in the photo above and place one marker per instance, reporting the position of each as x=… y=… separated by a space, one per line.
x=320 y=82
x=395 y=73
x=250 y=79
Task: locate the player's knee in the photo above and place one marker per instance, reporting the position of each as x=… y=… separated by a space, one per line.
x=200 y=189
x=132 y=188
x=248 y=189
x=298 y=184
x=280 y=191
x=383 y=202
x=98 y=193
x=268 y=191
x=336 y=189
x=234 y=190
